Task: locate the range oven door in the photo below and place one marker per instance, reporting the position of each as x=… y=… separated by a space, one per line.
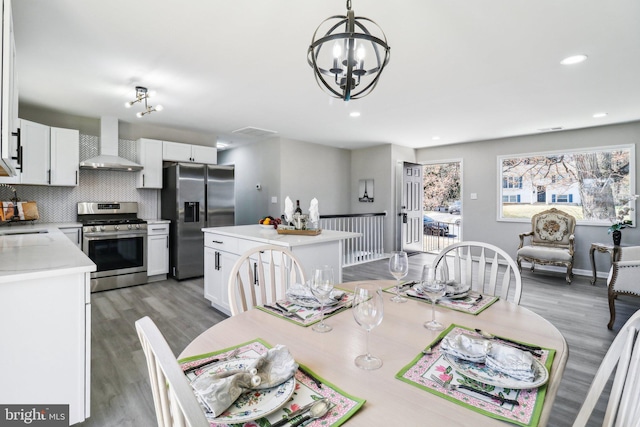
x=121 y=253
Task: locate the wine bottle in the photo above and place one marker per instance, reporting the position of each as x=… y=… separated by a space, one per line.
x=298 y=210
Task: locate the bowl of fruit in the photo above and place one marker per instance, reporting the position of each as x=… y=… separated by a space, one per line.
x=269 y=222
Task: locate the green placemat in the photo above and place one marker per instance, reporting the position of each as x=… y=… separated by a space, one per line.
x=305 y=316
x=474 y=303
x=309 y=387
x=418 y=373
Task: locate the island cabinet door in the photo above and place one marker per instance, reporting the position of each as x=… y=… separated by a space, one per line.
x=217 y=267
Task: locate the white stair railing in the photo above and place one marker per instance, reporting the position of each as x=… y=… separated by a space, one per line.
x=358 y=250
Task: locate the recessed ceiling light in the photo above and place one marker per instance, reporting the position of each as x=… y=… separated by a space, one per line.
x=599 y=115
x=553 y=129
x=354 y=114
x=575 y=59
x=435 y=138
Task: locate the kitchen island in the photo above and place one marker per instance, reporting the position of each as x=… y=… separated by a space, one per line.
x=224 y=245
x=45 y=319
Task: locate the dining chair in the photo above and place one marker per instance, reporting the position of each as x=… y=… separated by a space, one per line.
x=485 y=267
x=624 y=357
x=623 y=278
x=261 y=275
x=175 y=403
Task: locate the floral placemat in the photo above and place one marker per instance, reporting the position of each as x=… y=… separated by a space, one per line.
x=474 y=303
x=305 y=316
x=420 y=370
x=309 y=387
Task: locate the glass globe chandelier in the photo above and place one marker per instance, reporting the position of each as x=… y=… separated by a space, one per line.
x=347 y=57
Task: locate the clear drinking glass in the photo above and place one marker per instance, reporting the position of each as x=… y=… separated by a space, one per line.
x=368 y=310
x=321 y=286
x=398 y=267
x=434 y=286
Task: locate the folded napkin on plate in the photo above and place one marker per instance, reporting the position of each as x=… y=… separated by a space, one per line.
x=303 y=292
x=219 y=391
x=455 y=288
x=511 y=361
x=508 y=360
x=466 y=347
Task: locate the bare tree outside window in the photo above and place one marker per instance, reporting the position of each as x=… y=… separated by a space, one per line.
x=594 y=185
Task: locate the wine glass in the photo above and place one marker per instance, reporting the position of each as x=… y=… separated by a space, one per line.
x=368 y=309
x=321 y=287
x=434 y=286
x=398 y=267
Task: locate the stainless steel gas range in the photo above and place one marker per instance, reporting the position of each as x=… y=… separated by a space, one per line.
x=116 y=241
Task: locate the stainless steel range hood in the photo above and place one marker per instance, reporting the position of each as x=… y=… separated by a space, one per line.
x=108 y=158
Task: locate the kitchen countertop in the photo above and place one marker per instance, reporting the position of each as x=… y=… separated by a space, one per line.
x=158 y=221
x=271 y=237
x=39 y=255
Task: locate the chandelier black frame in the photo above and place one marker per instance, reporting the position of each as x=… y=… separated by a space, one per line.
x=342 y=79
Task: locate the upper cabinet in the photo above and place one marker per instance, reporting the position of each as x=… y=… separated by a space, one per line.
x=176 y=152
x=9 y=150
x=48 y=155
x=150 y=157
x=65 y=156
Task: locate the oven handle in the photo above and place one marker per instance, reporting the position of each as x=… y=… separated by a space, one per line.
x=117 y=235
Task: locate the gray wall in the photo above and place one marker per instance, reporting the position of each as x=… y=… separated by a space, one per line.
x=480 y=175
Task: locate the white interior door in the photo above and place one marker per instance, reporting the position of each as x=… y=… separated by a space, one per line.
x=411 y=207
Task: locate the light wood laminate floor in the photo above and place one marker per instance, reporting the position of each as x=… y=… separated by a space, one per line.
x=120 y=393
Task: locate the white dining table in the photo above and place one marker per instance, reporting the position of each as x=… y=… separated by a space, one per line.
x=398 y=340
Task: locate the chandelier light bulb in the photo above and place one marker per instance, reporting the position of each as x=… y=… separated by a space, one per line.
x=139 y=114
x=360 y=52
x=128 y=104
x=159 y=108
x=337 y=50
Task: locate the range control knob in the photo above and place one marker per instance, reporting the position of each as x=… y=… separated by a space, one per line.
x=137 y=226
x=102 y=228
x=94 y=228
x=116 y=227
x=129 y=226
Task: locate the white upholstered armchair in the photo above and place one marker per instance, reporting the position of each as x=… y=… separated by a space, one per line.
x=551 y=241
x=623 y=277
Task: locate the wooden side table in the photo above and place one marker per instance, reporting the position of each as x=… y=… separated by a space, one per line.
x=614 y=251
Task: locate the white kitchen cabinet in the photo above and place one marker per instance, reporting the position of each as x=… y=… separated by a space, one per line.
x=9 y=92
x=74 y=233
x=224 y=245
x=36 y=154
x=157 y=250
x=150 y=157
x=65 y=156
x=177 y=152
x=49 y=155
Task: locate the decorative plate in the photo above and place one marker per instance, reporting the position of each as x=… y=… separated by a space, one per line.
x=456 y=290
x=252 y=404
x=480 y=372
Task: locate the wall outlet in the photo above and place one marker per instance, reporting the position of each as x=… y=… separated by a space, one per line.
x=274 y=199
x=474 y=196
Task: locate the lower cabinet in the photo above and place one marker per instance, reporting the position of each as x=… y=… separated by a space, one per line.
x=218 y=265
x=74 y=234
x=157 y=251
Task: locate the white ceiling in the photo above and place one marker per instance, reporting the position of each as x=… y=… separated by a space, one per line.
x=461 y=70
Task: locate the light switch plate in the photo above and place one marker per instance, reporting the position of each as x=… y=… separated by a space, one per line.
x=474 y=196
x=274 y=199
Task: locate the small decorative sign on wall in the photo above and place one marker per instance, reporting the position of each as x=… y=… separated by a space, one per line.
x=365 y=190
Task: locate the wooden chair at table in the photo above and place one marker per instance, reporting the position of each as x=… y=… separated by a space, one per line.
x=623 y=278
x=175 y=403
x=261 y=275
x=482 y=266
x=624 y=357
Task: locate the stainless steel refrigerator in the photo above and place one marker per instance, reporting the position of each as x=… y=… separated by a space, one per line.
x=194 y=196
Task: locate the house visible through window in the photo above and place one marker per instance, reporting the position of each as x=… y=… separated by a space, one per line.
x=595 y=185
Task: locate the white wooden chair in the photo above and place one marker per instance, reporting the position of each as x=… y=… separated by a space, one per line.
x=261 y=275
x=624 y=357
x=483 y=267
x=623 y=278
x=175 y=403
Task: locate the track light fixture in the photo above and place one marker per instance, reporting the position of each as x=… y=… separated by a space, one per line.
x=338 y=56
x=142 y=94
